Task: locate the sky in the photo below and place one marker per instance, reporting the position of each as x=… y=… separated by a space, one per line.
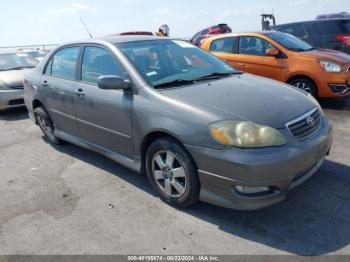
x=57 y=21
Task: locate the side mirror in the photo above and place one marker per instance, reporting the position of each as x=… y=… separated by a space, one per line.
x=272 y=52
x=111 y=82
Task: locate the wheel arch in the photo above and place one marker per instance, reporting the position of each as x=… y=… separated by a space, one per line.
x=155 y=135
x=38 y=103
x=296 y=76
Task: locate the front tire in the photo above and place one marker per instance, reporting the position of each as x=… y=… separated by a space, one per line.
x=306 y=85
x=172 y=173
x=46 y=125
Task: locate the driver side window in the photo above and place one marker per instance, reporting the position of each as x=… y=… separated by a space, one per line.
x=98 y=62
x=251 y=45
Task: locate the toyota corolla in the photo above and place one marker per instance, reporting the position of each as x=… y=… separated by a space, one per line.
x=199 y=129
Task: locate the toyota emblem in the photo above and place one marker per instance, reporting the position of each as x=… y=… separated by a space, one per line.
x=310 y=121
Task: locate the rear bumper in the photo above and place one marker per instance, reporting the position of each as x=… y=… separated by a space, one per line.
x=279 y=169
x=11 y=98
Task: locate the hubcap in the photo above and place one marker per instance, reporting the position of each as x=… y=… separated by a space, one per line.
x=303 y=86
x=169 y=174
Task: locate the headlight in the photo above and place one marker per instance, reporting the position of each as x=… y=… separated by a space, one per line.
x=329 y=66
x=245 y=134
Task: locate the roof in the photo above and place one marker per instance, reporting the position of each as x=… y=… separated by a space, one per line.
x=313 y=21
x=244 y=33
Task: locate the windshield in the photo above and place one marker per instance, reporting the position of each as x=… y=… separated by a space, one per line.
x=13 y=61
x=171 y=61
x=290 y=42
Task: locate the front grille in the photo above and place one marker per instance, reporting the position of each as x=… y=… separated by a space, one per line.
x=16 y=102
x=17 y=87
x=305 y=125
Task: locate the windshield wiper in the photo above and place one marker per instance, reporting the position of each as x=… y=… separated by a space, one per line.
x=217 y=75
x=177 y=82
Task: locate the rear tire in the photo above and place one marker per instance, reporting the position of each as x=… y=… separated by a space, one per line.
x=172 y=173
x=305 y=84
x=46 y=125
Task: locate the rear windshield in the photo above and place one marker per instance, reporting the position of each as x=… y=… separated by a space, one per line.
x=333 y=27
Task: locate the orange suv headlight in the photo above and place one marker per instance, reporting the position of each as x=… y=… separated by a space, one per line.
x=329 y=66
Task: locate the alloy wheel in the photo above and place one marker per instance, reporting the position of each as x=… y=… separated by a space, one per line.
x=303 y=86
x=169 y=174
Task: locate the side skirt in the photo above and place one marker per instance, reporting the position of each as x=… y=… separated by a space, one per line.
x=133 y=164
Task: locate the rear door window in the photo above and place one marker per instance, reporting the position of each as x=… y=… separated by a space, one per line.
x=64 y=63
x=223 y=45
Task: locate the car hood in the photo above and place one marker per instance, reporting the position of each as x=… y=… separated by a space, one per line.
x=246 y=97
x=12 y=78
x=330 y=55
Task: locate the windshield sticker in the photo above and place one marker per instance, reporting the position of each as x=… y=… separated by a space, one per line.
x=152 y=73
x=183 y=44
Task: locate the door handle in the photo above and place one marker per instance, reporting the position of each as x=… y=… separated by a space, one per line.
x=79 y=92
x=240 y=64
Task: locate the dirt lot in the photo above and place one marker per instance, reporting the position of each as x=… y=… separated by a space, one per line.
x=55 y=200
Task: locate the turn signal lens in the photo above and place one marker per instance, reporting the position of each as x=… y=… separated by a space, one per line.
x=219 y=135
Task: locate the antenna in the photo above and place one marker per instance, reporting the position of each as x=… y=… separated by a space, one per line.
x=87 y=30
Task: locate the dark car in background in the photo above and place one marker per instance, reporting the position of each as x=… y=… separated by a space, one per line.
x=333 y=16
x=212 y=30
x=330 y=34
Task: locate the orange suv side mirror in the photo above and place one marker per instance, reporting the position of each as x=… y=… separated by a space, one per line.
x=272 y=52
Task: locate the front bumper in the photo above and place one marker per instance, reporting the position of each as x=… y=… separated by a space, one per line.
x=279 y=168
x=334 y=84
x=11 y=98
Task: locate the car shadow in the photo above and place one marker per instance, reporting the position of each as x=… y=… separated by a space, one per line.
x=105 y=164
x=313 y=220
x=14 y=114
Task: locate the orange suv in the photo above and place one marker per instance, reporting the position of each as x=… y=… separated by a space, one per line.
x=280 y=56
